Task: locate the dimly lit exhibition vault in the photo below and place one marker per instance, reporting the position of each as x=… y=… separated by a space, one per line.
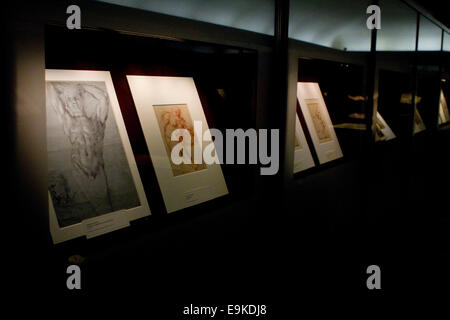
x=221 y=152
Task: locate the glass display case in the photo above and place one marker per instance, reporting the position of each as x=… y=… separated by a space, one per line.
x=222 y=80
x=395 y=100
x=341 y=85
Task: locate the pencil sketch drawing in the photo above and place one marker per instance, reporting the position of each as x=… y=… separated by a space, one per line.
x=320 y=124
x=170 y=118
x=89 y=174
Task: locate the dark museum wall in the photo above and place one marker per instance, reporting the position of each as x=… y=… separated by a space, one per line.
x=382 y=202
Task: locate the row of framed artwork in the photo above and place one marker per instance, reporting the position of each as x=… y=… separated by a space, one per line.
x=94 y=185
x=321 y=129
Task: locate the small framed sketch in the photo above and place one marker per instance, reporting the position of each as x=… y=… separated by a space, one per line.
x=303 y=159
x=94 y=185
x=419 y=125
x=444 y=115
x=382 y=131
x=165 y=104
x=318 y=121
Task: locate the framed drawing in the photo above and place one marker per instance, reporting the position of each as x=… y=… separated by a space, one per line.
x=419 y=125
x=303 y=159
x=165 y=104
x=318 y=121
x=93 y=182
x=382 y=131
x=444 y=115
x=407 y=98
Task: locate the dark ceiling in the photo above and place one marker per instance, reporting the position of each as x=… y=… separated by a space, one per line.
x=437 y=8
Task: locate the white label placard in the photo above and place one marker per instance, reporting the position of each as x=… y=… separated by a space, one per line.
x=100 y=225
x=331 y=154
x=199 y=194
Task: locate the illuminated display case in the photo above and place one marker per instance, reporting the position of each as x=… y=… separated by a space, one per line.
x=246 y=71
x=225 y=100
x=340 y=90
x=394 y=101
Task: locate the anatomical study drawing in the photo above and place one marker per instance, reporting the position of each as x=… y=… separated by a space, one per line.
x=320 y=124
x=88 y=173
x=172 y=117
